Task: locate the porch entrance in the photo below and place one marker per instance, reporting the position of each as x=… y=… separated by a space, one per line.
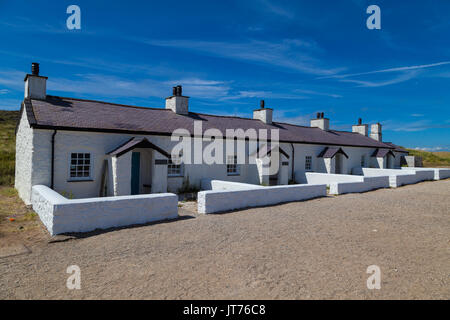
x=338 y=160
x=135 y=172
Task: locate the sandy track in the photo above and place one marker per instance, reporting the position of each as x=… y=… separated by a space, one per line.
x=304 y=250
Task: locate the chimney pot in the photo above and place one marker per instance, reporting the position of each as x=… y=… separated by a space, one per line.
x=263 y=114
x=359 y=121
x=320 y=122
x=179 y=91
x=35 y=68
x=177 y=103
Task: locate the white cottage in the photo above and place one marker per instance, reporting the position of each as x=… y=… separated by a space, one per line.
x=85 y=148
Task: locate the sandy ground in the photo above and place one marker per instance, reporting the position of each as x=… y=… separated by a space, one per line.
x=305 y=250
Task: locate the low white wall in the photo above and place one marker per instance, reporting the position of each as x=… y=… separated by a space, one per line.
x=343 y=183
x=327 y=178
x=61 y=215
x=226 y=200
x=438 y=173
x=397 y=177
x=210 y=184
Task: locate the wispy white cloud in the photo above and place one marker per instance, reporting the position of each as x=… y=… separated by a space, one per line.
x=12 y=79
x=401 y=78
x=264 y=95
x=290 y=54
x=4 y=91
x=311 y=92
x=417 y=115
x=276 y=9
x=114 y=86
x=397 y=69
x=414 y=126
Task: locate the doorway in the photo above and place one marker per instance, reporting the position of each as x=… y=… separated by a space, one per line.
x=338 y=163
x=135 y=172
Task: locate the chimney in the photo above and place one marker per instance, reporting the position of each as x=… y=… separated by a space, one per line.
x=361 y=128
x=177 y=102
x=263 y=114
x=320 y=122
x=35 y=85
x=375 y=132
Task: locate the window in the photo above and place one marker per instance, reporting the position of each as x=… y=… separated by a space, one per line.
x=363 y=161
x=80 y=166
x=308 y=163
x=232 y=168
x=175 y=166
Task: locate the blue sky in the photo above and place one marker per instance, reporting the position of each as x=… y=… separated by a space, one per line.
x=300 y=56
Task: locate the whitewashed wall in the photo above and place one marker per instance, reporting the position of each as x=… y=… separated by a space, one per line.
x=61 y=215
x=209 y=184
x=226 y=200
x=99 y=144
x=24 y=156
x=341 y=183
x=399 y=177
x=438 y=173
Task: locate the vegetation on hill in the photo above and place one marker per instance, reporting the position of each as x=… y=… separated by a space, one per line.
x=8 y=120
x=432 y=159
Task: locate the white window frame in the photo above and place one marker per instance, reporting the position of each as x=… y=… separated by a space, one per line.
x=171 y=166
x=310 y=162
x=232 y=163
x=91 y=166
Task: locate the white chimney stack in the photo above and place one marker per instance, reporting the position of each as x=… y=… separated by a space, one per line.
x=361 y=128
x=320 y=122
x=263 y=114
x=35 y=85
x=375 y=132
x=177 y=102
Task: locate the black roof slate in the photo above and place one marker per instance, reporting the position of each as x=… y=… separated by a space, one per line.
x=88 y=115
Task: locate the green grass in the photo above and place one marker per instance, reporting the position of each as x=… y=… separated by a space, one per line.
x=8 y=120
x=432 y=159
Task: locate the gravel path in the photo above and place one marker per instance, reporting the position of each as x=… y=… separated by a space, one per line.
x=305 y=250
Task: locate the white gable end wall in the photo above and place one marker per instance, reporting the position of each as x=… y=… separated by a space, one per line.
x=24 y=153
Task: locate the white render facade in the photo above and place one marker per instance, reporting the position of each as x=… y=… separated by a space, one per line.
x=45 y=156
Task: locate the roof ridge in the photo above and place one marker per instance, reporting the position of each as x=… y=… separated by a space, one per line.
x=105 y=102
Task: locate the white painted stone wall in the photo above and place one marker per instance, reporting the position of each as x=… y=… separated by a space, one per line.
x=209 y=184
x=226 y=200
x=398 y=177
x=341 y=183
x=327 y=165
x=99 y=144
x=61 y=215
x=438 y=173
x=121 y=168
x=24 y=156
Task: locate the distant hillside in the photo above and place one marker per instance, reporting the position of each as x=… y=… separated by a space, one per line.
x=8 y=120
x=432 y=159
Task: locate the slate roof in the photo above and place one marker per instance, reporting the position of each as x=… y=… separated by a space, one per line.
x=381 y=153
x=88 y=115
x=330 y=152
x=397 y=148
x=136 y=143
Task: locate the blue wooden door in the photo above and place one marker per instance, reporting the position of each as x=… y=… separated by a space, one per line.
x=135 y=172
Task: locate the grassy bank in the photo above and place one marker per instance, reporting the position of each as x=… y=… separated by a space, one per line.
x=8 y=121
x=432 y=159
